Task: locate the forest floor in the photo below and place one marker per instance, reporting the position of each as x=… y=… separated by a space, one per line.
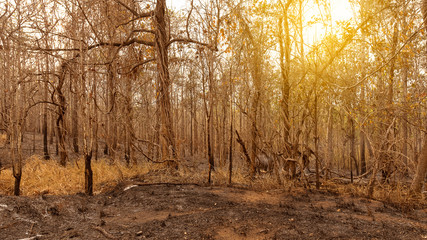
x=155 y=203
x=140 y=208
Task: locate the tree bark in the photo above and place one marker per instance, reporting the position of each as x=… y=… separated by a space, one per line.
x=167 y=135
x=362 y=137
x=88 y=174
x=209 y=125
x=230 y=154
x=110 y=148
x=330 y=141
x=285 y=70
x=316 y=133
x=418 y=182
x=353 y=158
x=60 y=126
x=75 y=120
x=129 y=133
x=45 y=109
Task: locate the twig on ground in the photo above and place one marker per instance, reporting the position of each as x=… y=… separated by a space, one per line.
x=104 y=232
x=32 y=238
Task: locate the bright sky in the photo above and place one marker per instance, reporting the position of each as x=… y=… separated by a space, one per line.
x=341 y=11
x=177 y=4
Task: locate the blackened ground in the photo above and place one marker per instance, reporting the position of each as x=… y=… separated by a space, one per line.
x=142 y=209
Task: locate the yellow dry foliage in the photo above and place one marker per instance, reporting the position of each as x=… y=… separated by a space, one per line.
x=48 y=177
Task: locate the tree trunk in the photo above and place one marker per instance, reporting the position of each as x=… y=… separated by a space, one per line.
x=209 y=143
x=316 y=135
x=209 y=131
x=418 y=182
x=362 y=137
x=167 y=135
x=16 y=157
x=191 y=120
x=330 y=142
x=129 y=126
x=45 y=109
x=111 y=145
x=256 y=76
x=405 y=116
x=88 y=174
x=60 y=127
x=285 y=70
x=75 y=121
x=353 y=158
x=17 y=186
x=230 y=154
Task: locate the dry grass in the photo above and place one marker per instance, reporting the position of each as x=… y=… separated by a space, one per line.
x=396 y=195
x=48 y=177
x=220 y=177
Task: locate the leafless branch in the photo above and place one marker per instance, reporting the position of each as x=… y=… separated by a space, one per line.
x=135 y=13
x=188 y=40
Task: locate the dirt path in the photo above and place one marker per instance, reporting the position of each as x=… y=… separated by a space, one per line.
x=172 y=211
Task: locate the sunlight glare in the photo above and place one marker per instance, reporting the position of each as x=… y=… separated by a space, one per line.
x=341 y=10
x=178 y=4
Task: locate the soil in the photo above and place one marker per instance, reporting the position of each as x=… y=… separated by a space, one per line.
x=140 y=208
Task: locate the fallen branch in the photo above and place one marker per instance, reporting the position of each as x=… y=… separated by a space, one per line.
x=240 y=141
x=104 y=232
x=32 y=238
x=167 y=184
x=357 y=177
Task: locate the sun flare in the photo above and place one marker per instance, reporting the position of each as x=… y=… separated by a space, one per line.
x=341 y=10
x=315 y=15
x=320 y=19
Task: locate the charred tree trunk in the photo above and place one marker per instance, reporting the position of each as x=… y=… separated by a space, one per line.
x=60 y=126
x=44 y=117
x=209 y=143
x=16 y=159
x=46 y=155
x=75 y=121
x=88 y=174
x=245 y=151
x=230 y=153
x=210 y=114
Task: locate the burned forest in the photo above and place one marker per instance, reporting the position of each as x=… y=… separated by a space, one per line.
x=213 y=119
